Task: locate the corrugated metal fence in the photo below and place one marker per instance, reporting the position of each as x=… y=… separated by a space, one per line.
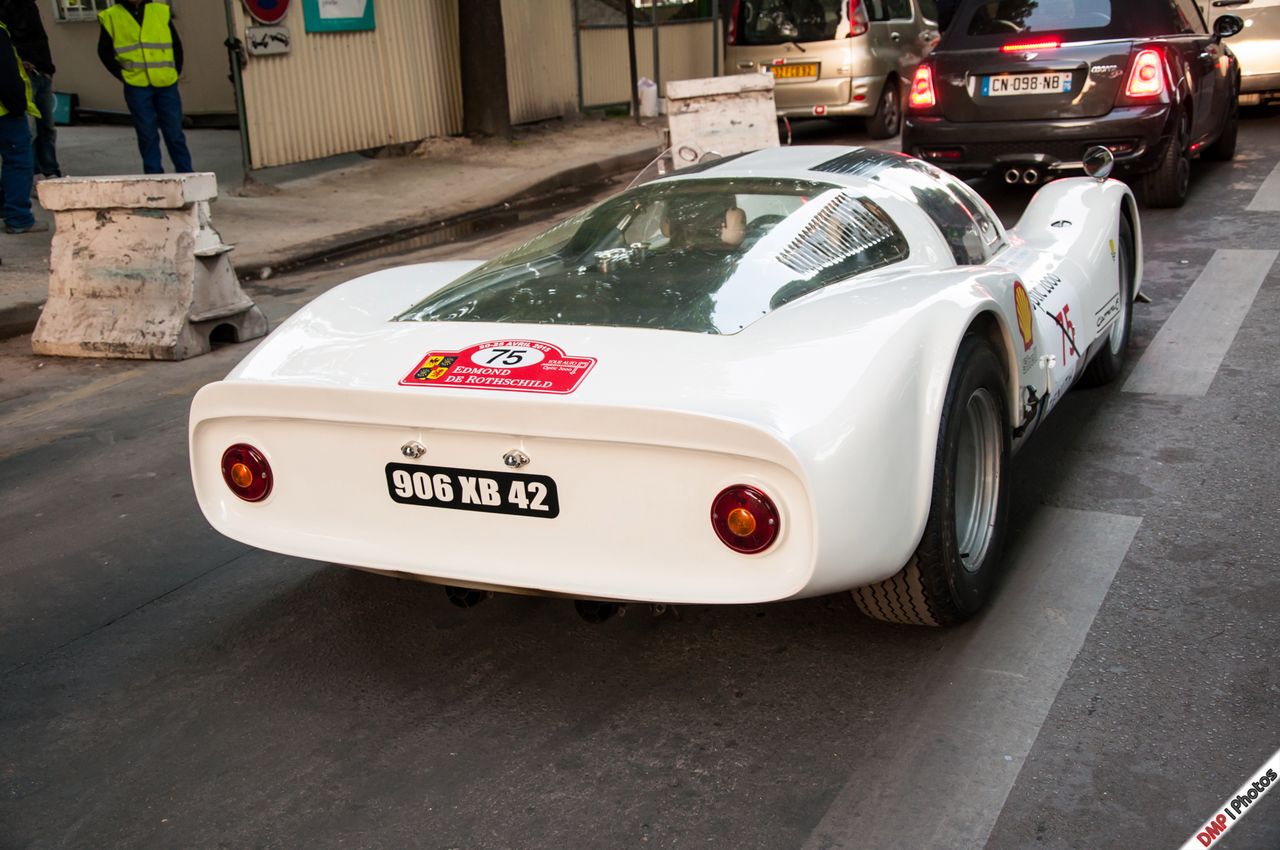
x=340 y=92
x=685 y=51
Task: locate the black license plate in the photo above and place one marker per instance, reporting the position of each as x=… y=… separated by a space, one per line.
x=483 y=490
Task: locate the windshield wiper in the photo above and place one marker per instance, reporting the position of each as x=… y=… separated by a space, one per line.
x=798 y=46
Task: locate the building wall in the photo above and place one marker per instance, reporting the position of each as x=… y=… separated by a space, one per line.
x=347 y=91
x=202 y=24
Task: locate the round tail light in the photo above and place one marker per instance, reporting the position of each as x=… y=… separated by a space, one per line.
x=744 y=519
x=246 y=472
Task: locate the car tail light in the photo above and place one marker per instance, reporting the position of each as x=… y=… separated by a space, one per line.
x=246 y=472
x=1146 y=76
x=858 y=23
x=922 y=94
x=1025 y=46
x=745 y=519
x=731 y=31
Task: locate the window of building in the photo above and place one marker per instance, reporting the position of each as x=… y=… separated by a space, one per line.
x=78 y=10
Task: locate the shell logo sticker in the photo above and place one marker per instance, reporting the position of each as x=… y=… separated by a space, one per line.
x=1023 y=305
x=513 y=365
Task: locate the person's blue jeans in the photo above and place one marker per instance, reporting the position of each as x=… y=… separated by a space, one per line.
x=46 y=149
x=157 y=112
x=17 y=170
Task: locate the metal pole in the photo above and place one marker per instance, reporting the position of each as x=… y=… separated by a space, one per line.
x=233 y=54
x=657 y=38
x=577 y=52
x=631 y=54
x=715 y=38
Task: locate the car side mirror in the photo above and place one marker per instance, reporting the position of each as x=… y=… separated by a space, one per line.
x=1227 y=26
x=1099 y=162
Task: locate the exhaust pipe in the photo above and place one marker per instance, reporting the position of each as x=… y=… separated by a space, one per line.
x=1031 y=177
x=1012 y=176
x=596 y=612
x=465 y=597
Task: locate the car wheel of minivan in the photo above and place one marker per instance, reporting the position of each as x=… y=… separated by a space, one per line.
x=887 y=121
x=1167 y=186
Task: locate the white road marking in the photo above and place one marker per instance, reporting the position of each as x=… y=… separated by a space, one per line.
x=940 y=777
x=1268 y=197
x=1184 y=357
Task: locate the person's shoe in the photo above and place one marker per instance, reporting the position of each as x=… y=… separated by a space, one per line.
x=38 y=227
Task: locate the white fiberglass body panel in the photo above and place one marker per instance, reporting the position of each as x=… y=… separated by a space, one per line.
x=829 y=403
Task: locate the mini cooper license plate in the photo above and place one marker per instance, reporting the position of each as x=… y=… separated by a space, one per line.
x=483 y=490
x=1055 y=82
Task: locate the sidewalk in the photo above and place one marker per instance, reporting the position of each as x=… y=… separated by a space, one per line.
x=303 y=211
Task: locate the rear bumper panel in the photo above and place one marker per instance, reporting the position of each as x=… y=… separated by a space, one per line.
x=1260 y=82
x=634 y=519
x=1057 y=145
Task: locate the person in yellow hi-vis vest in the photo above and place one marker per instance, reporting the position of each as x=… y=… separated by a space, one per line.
x=17 y=164
x=140 y=47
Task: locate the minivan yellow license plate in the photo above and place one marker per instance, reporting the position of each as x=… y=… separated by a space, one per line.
x=799 y=70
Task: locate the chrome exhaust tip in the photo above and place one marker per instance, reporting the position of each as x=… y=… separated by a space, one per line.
x=1012 y=176
x=1031 y=177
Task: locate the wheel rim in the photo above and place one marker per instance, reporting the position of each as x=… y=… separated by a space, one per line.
x=977 y=480
x=1126 y=304
x=890 y=107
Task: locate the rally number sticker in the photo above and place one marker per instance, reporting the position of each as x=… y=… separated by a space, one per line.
x=513 y=365
x=486 y=491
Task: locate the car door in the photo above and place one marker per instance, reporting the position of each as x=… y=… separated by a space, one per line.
x=927 y=33
x=894 y=29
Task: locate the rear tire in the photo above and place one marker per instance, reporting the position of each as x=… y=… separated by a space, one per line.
x=1224 y=148
x=951 y=574
x=887 y=121
x=1108 y=362
x=1167 y=186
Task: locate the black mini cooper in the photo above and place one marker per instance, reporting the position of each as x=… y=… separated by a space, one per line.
x=1022 y=88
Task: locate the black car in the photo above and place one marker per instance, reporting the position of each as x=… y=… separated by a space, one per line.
x=1022 y=88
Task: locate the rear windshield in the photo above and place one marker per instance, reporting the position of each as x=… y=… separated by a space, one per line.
x=989 y=23
x=702 y=255
x=782 y=21
x=1045 y=17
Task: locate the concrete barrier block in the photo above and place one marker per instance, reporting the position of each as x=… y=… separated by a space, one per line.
x=723 y=115
x=138 y=271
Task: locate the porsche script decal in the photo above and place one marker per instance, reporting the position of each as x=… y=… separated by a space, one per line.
x=514 y=365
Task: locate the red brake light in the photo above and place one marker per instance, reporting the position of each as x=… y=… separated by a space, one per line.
x=745 y=519
x=922 y=94
x=1024 y=46
x=246 y=472
x=858 y=23
x=1146 y=77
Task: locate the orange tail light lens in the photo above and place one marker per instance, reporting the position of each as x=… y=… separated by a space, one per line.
x=247 y=472
x=1146 y=77
x=745 y=519
x=922 y=94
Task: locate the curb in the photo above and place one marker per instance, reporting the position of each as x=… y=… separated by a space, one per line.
x=19 y=319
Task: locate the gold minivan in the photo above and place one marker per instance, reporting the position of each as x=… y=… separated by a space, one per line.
x=834 y=57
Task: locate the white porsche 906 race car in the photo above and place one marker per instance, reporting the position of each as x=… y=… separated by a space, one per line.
x=781 y=374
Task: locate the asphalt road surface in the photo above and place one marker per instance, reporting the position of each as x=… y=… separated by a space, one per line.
x=161 y=686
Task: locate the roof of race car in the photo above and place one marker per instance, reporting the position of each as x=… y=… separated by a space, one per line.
x=854 y=167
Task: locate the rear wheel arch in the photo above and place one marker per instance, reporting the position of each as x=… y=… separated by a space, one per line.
x=990 y=326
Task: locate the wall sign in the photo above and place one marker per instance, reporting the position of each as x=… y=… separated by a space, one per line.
x=267 y=41
x=338 y=15
x=267 y=11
